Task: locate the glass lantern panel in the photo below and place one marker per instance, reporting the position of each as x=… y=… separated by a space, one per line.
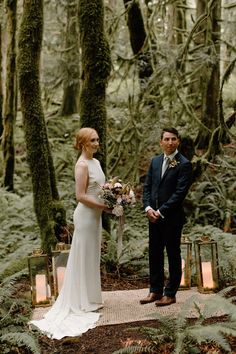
x=207 y=275
x=207 y=265
x=39 y=279
x=59 y=262
x=186 y=250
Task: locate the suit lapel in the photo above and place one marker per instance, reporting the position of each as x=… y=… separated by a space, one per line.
x=159 y=166
x=177 y=158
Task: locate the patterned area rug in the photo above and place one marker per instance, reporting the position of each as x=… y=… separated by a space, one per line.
x=123 y=306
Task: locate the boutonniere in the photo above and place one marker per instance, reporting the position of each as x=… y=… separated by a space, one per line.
x=173 y=163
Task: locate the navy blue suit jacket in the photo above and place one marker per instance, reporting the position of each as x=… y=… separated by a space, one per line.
x=167 y=193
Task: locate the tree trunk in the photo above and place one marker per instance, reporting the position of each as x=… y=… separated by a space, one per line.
x=196 y=87
x=176 y=22
x=210 y=115
x=71 y=60
x=9 y=112
x=49 y=211
x=137 y=39
x=1 y=91
x=96 y=66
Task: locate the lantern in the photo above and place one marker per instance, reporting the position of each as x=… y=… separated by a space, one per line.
x=59 y=262
x=39 y=278
x=186 y=257
x=207 y=264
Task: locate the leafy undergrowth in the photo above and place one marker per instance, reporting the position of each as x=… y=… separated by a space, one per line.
x=112 y=338
x=124 y=338
x=108 y=339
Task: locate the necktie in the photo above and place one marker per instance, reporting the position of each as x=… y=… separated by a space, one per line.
x=165 y=165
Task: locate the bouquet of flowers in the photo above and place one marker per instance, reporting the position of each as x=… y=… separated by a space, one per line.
x=117 y=195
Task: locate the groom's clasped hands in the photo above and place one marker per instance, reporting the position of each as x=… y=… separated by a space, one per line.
x=153 y=215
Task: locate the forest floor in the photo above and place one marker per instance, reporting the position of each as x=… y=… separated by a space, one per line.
x=109 y=338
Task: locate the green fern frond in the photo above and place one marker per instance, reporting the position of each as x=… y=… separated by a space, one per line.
x=179 y=343
x=155 y=335
x=167 y=328
x=187 y=306
x=21 y=340
x=224 y=292
x=209 y=334
x=5 y=293
x=10 y=322
x=15 y=277
x=135 y=349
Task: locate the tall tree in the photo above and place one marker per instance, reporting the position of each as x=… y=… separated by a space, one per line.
x=138 y=41
x=71 y=61
x=176 y=22
x=49 y=211
x=96 y=66
x=9 y=111
x=1 y=91
x=211 y=80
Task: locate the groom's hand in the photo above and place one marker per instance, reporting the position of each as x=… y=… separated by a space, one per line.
x=153 y=215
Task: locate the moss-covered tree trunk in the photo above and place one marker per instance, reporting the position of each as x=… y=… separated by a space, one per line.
x=1 y=92
x=9 y=112
x=176 y=22
x=71 y=60
x=211 y=79
x=138 y=37
x=96 y=66
x=49 y=211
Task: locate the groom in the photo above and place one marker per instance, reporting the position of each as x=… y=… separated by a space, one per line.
x=166 y=185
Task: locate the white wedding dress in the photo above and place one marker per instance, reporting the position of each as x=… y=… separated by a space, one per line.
x=72 y=313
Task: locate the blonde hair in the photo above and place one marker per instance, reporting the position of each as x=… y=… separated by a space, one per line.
x=82 y=136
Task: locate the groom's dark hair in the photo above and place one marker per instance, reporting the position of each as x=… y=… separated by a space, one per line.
x=170 y=130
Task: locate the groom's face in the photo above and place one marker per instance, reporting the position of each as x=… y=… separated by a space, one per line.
x=169 y=143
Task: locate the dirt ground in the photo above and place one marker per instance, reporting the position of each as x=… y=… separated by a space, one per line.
x=107 y=339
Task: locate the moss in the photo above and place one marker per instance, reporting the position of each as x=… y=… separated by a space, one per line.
x=96 y=66
x=38 y=150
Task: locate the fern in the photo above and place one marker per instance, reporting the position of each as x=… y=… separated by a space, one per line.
x=14 y=316
x=135 y=349
x=187 y=336
x=15 y=339
x=211 y=334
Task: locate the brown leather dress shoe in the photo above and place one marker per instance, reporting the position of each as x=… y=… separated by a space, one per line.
x=151 y=298
x=165 y=301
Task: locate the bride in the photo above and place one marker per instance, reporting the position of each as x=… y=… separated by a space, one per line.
x=73 y=312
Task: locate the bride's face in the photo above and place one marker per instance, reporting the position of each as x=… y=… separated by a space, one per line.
x=92 y=143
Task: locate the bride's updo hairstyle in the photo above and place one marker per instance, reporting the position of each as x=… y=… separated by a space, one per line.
x=82 y=136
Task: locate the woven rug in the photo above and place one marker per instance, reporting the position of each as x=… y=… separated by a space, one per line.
x=123 y=306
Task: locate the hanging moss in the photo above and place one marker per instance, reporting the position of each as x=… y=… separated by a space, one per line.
x=37 y=145
x=71 y=58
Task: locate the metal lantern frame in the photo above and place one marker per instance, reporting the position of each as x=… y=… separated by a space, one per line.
x=40 y=280
x=59 y=262
x=186 y=256
x=207 y=264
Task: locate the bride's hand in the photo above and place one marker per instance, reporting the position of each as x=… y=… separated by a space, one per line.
x=108 y=210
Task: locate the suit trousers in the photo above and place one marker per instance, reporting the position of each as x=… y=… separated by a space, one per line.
x=165 y=234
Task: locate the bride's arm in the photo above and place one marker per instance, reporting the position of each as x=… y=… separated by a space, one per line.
x=81 y=182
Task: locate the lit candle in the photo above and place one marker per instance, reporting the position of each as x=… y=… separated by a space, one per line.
x=182 y=283
x=41 y=287
x=207 y=278
x=60 y=277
